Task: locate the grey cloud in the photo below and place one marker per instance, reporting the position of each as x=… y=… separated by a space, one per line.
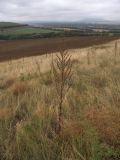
x=58 y=10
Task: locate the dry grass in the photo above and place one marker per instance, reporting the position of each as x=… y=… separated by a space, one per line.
x=19 y=88
x=90 y=115
x=107 y=122
x=72 y=128
x=4 y=114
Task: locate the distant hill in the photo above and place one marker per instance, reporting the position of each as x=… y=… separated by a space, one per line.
x=10 y=25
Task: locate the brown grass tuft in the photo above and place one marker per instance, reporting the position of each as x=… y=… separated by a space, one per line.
x=75 y=61
x=4 y=84
x=40 y=112
x=4 y=113
x=107 y=123
x=71 y=128
x=19 y=88
x=9 y=82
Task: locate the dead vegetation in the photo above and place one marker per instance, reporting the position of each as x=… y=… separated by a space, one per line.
x=62 y=68
x=36 y=100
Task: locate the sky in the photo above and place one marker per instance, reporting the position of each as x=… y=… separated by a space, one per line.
x=59 y=10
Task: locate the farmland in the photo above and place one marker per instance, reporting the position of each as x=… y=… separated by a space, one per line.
x=15 y=31
x=10 y=31
x=23 y=48
x=25 y=30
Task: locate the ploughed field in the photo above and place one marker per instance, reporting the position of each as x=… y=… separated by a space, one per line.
x=14 y=49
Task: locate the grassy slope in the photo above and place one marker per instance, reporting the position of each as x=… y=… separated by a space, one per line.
x=28 y=105
x=9 y=24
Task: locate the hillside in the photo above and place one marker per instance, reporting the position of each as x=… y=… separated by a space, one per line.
x=4 y=25
x=13 y=31
x=90 y=117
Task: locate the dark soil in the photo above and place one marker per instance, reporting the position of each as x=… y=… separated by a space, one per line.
x=24 y=48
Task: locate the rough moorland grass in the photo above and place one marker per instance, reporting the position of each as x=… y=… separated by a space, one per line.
x=91 y=114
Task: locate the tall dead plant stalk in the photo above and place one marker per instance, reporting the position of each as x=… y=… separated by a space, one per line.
x=62 y=73
x=88 y=57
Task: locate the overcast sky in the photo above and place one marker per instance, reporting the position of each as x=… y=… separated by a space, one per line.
x=59 y=10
